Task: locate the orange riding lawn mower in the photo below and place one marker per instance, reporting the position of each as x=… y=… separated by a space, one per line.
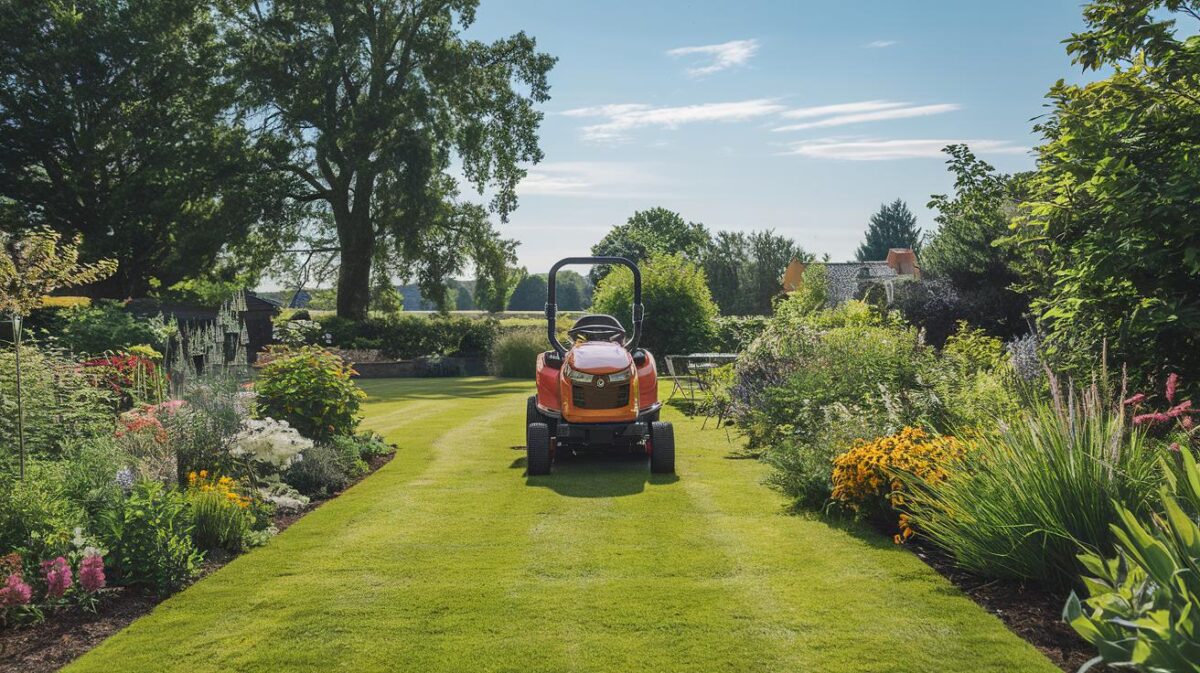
x=601 y=394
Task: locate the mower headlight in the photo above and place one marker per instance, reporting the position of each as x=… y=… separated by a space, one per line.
x=620 y=377
x=577 y=377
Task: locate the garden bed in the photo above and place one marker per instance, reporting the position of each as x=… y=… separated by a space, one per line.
x=64 y=636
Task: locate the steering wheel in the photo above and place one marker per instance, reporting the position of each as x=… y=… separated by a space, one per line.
x=596 y=333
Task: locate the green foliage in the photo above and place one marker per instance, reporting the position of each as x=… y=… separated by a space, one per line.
x=61 y=405
x=650 y=233
x=35 y=517
x=1035 y=490
x=149 y=539
x=1141 y=610
x=1111 y=233
x=515 y=353
x=966 y=250
x=680 y=313
x=411 y=336
x=218 y=522
x=104 y=326
x=892 y=226
x=324 y=470
x=120 y=128
x=399 y=120
x=745 y=271
x=311 y=389
x=736 y=333
x=530 y=294
x=813 y=293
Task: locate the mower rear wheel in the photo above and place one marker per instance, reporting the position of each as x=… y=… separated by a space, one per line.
x=662 y=448
x=537 y=449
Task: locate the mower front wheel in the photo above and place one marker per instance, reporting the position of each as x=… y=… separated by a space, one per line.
x=537 y=449
x=662 y=448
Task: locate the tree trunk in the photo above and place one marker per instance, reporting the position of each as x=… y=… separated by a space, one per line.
x=357 y=238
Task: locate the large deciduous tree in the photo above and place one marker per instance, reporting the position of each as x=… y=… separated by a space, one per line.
x=745 y=270
x=892 y=226
x=115 y=124
x=1112 y=229
x=381 y=102
x=656 y=231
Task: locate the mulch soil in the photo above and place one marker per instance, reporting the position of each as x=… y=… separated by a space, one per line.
x=67 y=634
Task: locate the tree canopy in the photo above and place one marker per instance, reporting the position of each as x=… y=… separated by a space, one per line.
x=115 y=123
x=1111 y=233
x=745 y=270
x=656 y=231
x=892 y=226
x=680 y=312
x=379 y=105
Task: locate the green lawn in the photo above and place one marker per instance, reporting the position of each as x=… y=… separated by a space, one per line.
x=449 y=559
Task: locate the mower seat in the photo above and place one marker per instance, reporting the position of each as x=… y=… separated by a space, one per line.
x=597 y=327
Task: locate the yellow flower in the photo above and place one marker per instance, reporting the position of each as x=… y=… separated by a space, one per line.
x=204 y=474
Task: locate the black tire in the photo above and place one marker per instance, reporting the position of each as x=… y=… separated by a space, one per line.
x=653 y=416
x=537 y=449
x=662 y=448
x=533 y=415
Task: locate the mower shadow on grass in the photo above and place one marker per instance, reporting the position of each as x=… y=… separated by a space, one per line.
x=597 y=476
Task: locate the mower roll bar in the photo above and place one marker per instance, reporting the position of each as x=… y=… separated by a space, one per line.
x=552 y=307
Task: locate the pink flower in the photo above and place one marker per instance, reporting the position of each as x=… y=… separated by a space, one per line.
x=1136 y=399
x=1187 y=422
x=1180 y=409
x=58 y=577
x=1174 y=447
x=1153 y=419
x=15 y=592
x=91 y=573
x=1172 y=385
x=170 y=406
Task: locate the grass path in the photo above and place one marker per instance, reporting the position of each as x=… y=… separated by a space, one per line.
x=449 y=559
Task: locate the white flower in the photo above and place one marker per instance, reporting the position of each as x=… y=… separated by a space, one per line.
x=269 y=441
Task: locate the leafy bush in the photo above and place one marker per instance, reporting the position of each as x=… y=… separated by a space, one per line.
x=411 y=336
x=1037 y=489
x=680 y=312
x=35 y=517
x=149 y=538
x=312 y=390
x=220 y=514
x=371 y=445
x=1143 y=606
x=324 y=470
x=515 y=353
x=736 y=333
x=101 y=327
x=866 y=481
x=60 y=403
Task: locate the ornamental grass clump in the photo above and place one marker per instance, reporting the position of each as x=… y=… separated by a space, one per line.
x=866 y=479
x=1037 y=490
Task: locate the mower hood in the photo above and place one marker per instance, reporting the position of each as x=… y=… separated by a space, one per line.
x=599 y=357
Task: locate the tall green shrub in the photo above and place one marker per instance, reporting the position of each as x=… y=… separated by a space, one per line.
x=680 y=312
x=312 y=390
x=515 y=353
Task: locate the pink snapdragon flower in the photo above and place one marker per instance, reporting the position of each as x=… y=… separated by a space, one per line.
x=15 y=592
x=58 y=577
x=91 y=573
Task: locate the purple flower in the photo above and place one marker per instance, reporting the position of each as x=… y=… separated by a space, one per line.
x=15 y=592
x=58 y=577
x=91 y=573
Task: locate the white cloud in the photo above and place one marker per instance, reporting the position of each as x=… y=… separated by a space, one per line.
x=885 y=112
x=841 y=108
x=859 y=149
x=626 y=117
x=880 y=44
x=590 y=179
x=721 y=56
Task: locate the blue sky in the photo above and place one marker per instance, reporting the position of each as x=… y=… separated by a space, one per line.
x=799 y=116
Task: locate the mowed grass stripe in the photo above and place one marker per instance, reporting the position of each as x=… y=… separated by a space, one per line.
x=450 y=559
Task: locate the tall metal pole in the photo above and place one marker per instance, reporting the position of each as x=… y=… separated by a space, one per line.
x=16 y=320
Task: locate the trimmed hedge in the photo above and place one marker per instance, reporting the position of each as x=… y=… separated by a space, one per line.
x=410 y=336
